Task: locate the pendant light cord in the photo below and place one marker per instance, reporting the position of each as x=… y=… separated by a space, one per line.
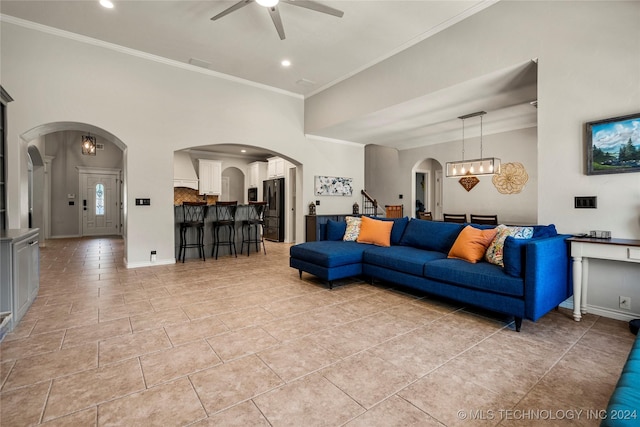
x=463 y=140
x=481 y=138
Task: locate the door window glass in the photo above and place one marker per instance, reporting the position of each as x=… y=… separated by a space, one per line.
x=99 y=199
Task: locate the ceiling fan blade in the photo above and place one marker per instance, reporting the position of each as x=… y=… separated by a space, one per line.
x=240 y=4
x=318 y=7
x=277 y=21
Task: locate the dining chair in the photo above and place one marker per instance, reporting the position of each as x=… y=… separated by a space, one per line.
x=393 y=211
x=461 y=218
x=425 y=215
x=484 y=219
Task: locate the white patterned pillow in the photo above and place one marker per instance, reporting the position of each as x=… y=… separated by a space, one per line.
x=496 y=247
x=521 y=232
x=495 y=251
x=353 y=229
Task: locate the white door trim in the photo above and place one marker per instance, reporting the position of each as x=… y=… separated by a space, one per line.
x=82 y=173
x=46 y=210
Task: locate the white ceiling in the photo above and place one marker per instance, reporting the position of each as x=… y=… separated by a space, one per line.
x=323 y=49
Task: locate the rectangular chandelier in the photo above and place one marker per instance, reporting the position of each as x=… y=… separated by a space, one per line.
x=481 y=166
x=485 y=166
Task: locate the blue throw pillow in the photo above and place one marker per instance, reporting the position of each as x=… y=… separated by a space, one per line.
x=399 y=226
x=336 y=229
x=544 y=231
x=482 y=226
x=513 y=256
x=431 y=235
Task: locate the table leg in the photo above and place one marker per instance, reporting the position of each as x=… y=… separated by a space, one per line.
x=577 y=288
x=585 y=281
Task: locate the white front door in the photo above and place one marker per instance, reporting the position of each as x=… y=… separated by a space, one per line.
x=100 y=199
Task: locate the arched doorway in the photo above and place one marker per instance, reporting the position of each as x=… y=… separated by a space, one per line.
x=233 y=185
x=56 y=199
x=426 y=188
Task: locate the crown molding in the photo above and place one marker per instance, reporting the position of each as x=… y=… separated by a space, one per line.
x=139 y=54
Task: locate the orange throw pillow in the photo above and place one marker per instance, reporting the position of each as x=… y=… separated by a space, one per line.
x=472 y=243
x=375 y=231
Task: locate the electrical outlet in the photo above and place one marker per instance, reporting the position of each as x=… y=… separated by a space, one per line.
x=625 y=303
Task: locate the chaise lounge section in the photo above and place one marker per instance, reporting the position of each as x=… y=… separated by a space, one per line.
x=534 y=278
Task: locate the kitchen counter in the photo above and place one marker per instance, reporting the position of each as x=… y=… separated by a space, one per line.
x=241 y=214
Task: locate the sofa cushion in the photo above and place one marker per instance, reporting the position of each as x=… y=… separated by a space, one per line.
x=374 y=231
x=471 y=244
x=544 y=231
x=519 y=232
x=353 y=229
x=482 y=276
x=514 y=256
x=329 y=254
x=399 y=226
x=336 y=229
x=495 y=251
x=431 y=235
x=401 y=258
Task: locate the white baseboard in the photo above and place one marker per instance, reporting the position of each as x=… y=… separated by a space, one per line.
x=70 y=236
x=149 y=263
x=604 y=311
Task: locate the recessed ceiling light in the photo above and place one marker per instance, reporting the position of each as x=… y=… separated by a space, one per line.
x=285 y=63
x=106 y=3
x=267 y=3
x=243 y=151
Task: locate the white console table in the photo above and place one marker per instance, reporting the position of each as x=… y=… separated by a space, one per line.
x=583 y=248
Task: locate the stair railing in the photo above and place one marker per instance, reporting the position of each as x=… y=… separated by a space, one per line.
x=369 y=204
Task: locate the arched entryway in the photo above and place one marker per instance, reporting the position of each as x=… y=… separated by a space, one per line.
x=426 y=188
x=56 y=196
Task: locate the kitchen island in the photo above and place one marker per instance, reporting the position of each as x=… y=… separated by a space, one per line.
x=242 y=212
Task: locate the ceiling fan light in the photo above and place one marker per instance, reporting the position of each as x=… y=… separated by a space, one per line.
x=267 y=3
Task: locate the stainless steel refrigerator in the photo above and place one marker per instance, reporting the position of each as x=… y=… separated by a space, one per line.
x=274 y=214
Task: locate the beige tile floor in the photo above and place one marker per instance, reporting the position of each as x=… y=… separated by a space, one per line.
x=243 y=341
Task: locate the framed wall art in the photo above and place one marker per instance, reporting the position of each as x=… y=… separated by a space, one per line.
x=333 y=186
x=613 y=145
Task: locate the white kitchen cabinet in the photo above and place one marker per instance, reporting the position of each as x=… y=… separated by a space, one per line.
x=20 y=271
x=210 y=179
x=276 y=167
x=257 y=174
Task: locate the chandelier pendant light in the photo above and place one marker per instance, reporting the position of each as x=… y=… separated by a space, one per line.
x=481 y=166
x=88 y=145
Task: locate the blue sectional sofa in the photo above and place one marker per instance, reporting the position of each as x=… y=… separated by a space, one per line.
x=623 y=409
x=534 y=280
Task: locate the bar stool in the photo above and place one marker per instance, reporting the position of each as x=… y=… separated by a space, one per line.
x=225 y=219
x=254 y=221
x=193 y=214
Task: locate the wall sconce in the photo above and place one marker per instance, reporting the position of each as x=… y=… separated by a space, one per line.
x=88 y=145
x=481 y=166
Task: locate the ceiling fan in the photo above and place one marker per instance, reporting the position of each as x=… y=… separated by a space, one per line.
x=272 y=5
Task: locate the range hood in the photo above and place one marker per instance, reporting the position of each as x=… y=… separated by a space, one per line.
x=184 y=172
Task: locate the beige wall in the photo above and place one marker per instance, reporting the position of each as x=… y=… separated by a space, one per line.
x=588 y=69
x=152 y=108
